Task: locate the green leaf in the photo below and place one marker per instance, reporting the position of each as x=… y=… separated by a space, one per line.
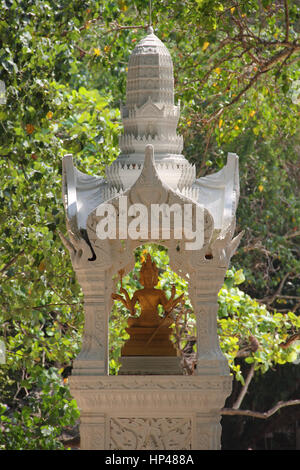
x=239 y=277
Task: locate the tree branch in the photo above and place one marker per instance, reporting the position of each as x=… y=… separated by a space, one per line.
x=220 y=111
x=51 y=305
x=11 y=261
x=258 y=414
x=270 y=300
x=292 y=235
x=289 y=341
x=287 y=20
x=118 y=27
x=244 y=390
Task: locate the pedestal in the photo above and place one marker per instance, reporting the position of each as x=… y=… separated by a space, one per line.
x=150 y=412
x=149 y=342
x=150 y=365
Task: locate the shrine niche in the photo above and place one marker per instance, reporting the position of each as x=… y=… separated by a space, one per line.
x=150 y=195
x=149 y=333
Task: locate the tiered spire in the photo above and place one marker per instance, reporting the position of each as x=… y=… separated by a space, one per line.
x=150 y=117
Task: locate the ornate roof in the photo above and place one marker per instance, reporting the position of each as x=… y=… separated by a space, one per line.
x=150 y=118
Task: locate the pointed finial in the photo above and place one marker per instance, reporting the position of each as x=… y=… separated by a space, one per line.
x=150 y=17
x=150 y=30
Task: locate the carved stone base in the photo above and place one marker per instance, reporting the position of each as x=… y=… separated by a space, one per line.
x=150 y=365
x=153 y=413
x=141 y=342
x=88 y=367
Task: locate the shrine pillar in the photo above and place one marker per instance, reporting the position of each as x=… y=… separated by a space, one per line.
x=210 y=359
x=93 y=357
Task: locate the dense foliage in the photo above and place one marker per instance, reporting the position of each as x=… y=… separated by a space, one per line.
x=63 y=65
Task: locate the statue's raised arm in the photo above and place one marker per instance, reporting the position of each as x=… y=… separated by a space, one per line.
x=170 y=304
x=127 y=302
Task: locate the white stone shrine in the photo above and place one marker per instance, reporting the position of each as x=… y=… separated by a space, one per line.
x=151 y=404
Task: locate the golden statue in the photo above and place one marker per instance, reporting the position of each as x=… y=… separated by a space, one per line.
x=149 y=333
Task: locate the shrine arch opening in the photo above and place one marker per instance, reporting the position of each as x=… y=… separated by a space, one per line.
x=181 y=318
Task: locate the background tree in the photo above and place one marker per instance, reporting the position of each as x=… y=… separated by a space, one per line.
x=237 y=76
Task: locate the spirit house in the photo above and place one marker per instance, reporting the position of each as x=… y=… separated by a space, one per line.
x=151 y=404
